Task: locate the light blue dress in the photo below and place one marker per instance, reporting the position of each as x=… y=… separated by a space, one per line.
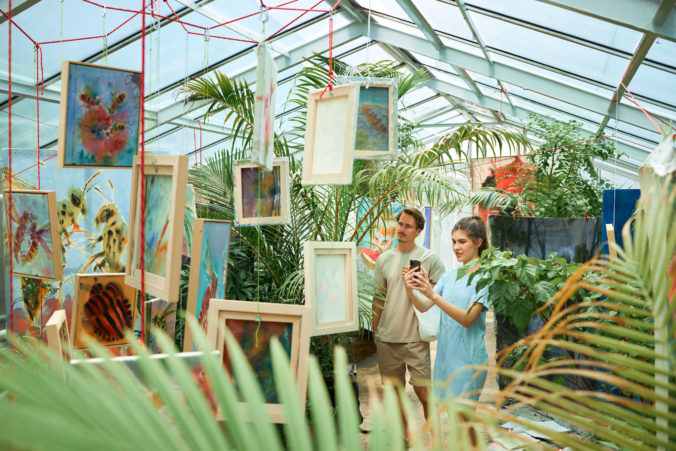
x=458 y=346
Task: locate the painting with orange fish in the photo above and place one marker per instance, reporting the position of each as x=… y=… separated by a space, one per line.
x=99 y=121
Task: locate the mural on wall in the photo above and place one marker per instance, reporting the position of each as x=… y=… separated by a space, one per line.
x=384 y=237
x=87 y=244
x=505 y=173
x=99 y=120
x=254 y=338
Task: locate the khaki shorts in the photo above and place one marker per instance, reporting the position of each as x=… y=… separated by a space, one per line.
x=395 y=358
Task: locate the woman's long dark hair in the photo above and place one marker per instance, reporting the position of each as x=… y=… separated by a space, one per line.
x=475 y=228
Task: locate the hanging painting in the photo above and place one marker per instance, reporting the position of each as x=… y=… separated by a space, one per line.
x=35 y=245
x=331 y=286
x=262 y=149
x=330 y=135
x=208 y=271
x=99 y=117
x=104 y=309
x=376 y=131
x=165 y=186
x=58 y=337
x=253 y=324
x=262 y=197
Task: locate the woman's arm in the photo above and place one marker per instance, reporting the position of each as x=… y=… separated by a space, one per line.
x=419 y=281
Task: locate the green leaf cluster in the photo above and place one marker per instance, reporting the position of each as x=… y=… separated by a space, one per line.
x=520 y=286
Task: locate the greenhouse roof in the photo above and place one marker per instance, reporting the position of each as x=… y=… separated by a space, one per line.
x=493 y=61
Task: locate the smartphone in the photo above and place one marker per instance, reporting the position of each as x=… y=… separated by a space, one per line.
x=414 y=264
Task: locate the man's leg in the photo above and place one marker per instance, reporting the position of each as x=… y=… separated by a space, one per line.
x=417 y=358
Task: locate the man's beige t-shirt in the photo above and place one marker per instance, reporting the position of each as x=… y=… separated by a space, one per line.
x=398 y=323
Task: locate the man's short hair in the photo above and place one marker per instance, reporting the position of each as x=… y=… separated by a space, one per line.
x=417 y=215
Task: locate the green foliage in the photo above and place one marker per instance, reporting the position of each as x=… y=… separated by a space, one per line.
x=563 y=181
x=518 y=287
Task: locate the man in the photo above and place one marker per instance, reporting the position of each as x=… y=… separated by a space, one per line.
x=395 y=326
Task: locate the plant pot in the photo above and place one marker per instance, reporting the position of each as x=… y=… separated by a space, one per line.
x=575 y=239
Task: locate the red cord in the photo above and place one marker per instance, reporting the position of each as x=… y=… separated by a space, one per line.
x=329 y=86
x=24 y=170
x=37 y=107
x=142 y=184
x=299 y=16
x=9 y=147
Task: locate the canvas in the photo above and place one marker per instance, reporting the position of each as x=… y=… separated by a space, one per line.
x=376 y=130
x=208 y=270
x=104 y=309
x=161 y=314
x=58 y=337
x=165 y=187
x=330 y=135
x=331 y=286
x=262 y=149
x=262 y=197
x=36 y=249
x=99 y=116
x=253 y=324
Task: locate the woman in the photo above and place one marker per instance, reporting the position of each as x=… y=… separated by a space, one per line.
x=462 y=328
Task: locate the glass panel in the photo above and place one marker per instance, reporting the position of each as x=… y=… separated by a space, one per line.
x=560 y=19
x=389 y=7
x=437 y=64
x=375 y=53
x=446 y=18
x=24 y=126
x=485 y=83
x=426 y=108
x=654 y=84
x=448 y=78
x=550 y=50
x=398 y=26
x=654 y=109
x=416 y=96
x=311 y=32
x=663 y=51
x=636 y=132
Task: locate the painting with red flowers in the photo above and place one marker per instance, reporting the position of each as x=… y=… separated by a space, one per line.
x=99 y=120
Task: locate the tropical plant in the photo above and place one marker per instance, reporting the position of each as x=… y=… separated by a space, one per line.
x=561 y=181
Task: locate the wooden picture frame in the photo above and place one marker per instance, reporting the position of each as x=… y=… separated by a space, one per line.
x=330 y=135
x=262 y=197
x=377 y=115
x=165 y=206
x=263 y=142
x=210 y=248
x=246 y=318
x=58 y=337
x=112 y=311
x=331 y=286
x=101 y=98
x=34 y=231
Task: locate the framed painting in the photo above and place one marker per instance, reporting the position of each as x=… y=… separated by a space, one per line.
x=99 y=117
x=58 y=337
x=208 y=271
x=376 y=131
x=330 y=135
x=253 y=324
x=162 y=314
x=262 y=197
x=165 y=187
x=331 y=286
x=262 y=149
x=104 y=309
x=33 y=225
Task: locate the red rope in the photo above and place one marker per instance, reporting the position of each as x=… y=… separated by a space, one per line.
x=249 y=15
x=299 y=16
x=9 y=158
x=26 y=169
x=330 y=85
x=642 y=109
x=37 y=108
x=142 y=184
x=501 y=91
x=9 y=19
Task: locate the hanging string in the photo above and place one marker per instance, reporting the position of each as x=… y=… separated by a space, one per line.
x=104 y=36
x=205 y=58
x=142 y=183
x=329 y=86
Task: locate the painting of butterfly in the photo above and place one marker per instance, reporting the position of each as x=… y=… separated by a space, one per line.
x=35 y=249
x=99 y=118
x=105 y=309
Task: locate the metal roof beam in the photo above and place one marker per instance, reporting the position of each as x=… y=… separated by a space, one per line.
x=18 y=6
x=638 y=15
x=508 y=73
x=641 y=51
x=419 y=19
x=348 y=8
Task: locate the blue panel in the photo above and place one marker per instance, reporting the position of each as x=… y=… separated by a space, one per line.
x=618 y=206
